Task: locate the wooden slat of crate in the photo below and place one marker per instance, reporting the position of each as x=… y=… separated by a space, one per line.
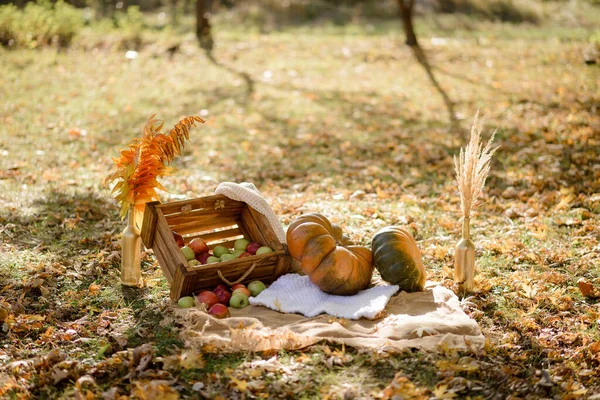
x=217 y=236
x=183 y=283
x=160 y=243
x=242 y=263
x=259 y=220
x=192 y=227
x=170 y=248
x=224 y=206
x=163 y=259
x=256 y=226
x=228 y=243
x=166 y=250
x=203 y=215
x=149 y=224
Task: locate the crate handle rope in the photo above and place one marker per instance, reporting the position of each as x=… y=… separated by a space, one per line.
x=244 y=276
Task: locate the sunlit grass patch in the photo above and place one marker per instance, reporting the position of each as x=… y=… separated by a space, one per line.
x=336 y=119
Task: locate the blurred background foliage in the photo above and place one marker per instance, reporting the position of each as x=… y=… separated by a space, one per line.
x=129 y=24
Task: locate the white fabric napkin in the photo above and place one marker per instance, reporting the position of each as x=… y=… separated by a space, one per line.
x=293 y=293
x=249 y=194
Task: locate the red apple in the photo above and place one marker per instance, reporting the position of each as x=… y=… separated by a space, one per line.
x=237 y=285
x=252 y=247
x=219 y=311
x=198 y=245
x=220 y=286
x=242 y=290
x=223 y=295
x=202 y=257
x=208 y=298
x=178 y=239
x=245 y=254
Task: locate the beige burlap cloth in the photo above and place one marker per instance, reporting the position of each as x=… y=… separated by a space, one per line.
x=424 y=320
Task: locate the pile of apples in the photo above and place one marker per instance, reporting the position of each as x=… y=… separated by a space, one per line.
x=197 y=251
x=217 y=300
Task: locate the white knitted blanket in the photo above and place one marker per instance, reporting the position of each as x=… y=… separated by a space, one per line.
x=249 y=194
x=293 y=293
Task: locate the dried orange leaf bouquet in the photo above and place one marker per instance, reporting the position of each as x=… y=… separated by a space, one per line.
x=147 y=159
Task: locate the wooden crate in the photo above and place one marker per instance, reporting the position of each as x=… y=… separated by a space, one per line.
x=219 y=221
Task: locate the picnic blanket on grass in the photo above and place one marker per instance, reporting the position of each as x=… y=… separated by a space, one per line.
x=423 y=320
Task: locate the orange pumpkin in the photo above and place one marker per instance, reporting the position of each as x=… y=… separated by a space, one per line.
x=323 y=253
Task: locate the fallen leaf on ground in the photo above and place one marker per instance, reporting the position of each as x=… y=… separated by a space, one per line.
x=442 y=392
x=587 y=289
x=157 y=389
x=238 y=384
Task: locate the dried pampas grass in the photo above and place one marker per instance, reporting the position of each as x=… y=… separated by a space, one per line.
x=472 y=167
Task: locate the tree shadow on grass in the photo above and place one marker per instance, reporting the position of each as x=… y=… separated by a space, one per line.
x=354 y=133
x=73 y=231
x=241 y=74
x=396 y=140
x=424 y=62
x=68 y=224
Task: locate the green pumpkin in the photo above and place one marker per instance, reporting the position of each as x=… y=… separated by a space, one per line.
x=398 y=259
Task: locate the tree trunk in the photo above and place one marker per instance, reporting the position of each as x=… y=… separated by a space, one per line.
x=203 y=25
x=406 y=14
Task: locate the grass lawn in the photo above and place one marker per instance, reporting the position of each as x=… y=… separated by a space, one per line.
x=311 y=116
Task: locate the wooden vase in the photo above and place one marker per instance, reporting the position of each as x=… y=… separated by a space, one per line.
x=464 y=260
x=131 y=247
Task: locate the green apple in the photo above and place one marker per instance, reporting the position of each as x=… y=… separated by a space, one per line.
x=241 y=244
x=255 y=287
x=186 y=302
x=188 y=253
x=242 y=290
x=212 y=259
x=264 y=250
x=238 y=252
x=219 y=250
x=239 y=300
x=227 y=257
x=193 y=263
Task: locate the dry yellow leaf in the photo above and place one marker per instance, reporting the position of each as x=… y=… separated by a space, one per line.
x=239 y=384
x=191 y=359
x=442 y=392
x=94 y=289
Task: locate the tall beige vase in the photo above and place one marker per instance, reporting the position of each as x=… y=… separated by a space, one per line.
x=131 y=247
x=464 y=260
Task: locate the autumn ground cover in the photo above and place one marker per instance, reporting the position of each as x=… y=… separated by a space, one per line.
x=339 y=120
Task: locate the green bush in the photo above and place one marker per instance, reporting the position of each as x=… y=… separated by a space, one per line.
x=274 y=14
x=39 y=24
x=9 y=17
x=124 y=31
x=131 y=27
